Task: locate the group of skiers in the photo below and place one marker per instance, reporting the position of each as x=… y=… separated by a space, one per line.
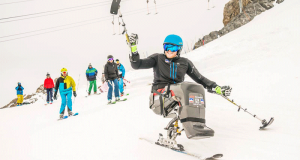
x=113 y=73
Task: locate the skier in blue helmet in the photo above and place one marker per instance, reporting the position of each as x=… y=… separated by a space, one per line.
x=171 y=96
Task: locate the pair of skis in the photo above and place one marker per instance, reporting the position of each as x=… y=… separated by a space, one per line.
x=65 y=117
x=215 y=156
x=114 y=102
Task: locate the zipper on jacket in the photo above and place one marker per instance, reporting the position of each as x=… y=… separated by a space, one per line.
x=176 y=71
x=170 y=70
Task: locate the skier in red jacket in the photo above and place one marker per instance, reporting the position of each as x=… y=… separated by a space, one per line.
x=49 y=85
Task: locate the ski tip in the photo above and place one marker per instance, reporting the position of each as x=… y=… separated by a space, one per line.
x=75 y=114
x=265 y=123
x=218 y=156
x=65 y=117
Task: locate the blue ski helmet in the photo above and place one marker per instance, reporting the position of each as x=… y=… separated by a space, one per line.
x=174 y=40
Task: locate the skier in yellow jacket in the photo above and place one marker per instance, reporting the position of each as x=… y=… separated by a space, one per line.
x=65 y=84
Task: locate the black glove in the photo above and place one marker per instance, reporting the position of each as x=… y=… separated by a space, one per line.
x=55 y=98
x=74 y=93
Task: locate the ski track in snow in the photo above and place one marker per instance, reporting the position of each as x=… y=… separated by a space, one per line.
x=259 y=60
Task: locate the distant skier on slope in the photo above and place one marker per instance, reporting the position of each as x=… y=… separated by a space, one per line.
x=171 y=96
x=49 y=85
x=91 y=76
x=112 y=77
x=121 y=70
x=65 y=84
x=19 y=89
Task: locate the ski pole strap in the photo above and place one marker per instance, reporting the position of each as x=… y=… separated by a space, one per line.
x=192 y=119
x=168 y=91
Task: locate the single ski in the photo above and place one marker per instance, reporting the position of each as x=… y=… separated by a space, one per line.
x=93 y=94
x=184 y=152
x=266 y=124
x=125 y=99
x=65 y=117
x=114 y=102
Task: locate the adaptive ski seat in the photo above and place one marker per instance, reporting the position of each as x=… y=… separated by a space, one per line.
x=189 y=99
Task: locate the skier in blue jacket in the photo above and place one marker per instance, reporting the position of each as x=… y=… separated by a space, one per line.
x=20 y=89
x=121 y=69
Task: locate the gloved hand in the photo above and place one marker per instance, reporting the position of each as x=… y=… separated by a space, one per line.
x=119 y=79
x=133 y=40
x=74 y=93
x=224 y=90
x=55 y=98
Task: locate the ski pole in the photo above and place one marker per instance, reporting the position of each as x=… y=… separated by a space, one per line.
x=125 y=30
x=77 y=88
x=113 y=25
x=264 y=122
x=155 y=7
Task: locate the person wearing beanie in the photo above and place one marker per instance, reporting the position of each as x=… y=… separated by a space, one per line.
x=112 y=77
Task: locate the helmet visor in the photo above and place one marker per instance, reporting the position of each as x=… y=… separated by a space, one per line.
x=171 y=47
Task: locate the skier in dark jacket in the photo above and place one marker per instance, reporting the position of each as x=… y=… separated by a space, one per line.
x=112 y=77
x=170 y=94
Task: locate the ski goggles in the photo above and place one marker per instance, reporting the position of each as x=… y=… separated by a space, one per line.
x=64 y=72
x=110 y=59
x=171 y=47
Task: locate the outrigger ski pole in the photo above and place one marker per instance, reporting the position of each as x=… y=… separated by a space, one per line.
x=264 y=122
x=125 y=30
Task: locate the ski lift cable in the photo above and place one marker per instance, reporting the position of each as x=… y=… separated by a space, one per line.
x=15 y=2
x=55 y=10
x=98 y=5
x=108 y=18
x=62 y=25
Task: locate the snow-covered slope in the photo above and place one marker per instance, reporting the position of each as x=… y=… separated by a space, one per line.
x=259 y=60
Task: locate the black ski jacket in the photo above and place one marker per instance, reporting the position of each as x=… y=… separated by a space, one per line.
x=111 y=71
x=170 y=70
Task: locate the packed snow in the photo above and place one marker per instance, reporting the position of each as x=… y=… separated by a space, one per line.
x=259 y=60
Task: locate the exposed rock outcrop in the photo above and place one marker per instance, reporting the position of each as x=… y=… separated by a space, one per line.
x=232 y=9
x=233 y=19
